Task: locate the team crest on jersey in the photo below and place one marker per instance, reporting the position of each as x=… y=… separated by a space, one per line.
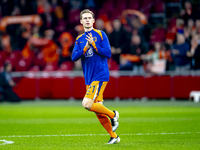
x=89 y=53
x=95 y=39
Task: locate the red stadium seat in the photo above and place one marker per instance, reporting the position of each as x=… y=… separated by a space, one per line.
x=190 y=84
x=111 y=89
x=108 y=6
x=158 y=35
x=172 y=23
x=113 y=65
x=131 y=87
x=61 y=27
x=50 y=67
x=146 y=3
x=3 y=56
x=61 y=88
x=23 y=64
x=120 y=5
x=26 y=88
x=78 y=88
x=13 y=58
x=74 y=16
x=159 y=7
x=35 y=69
x=158 y=87
x=102 y=12
x=39 y=61
x=45 y=88
x=66 y=66
x=116 y=15
x=134 y=4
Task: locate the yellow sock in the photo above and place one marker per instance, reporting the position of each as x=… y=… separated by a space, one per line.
x=101 y=109
x=103 y=119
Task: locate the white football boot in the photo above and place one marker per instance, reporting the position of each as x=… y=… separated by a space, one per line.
x=114 y=140
x=114 y=121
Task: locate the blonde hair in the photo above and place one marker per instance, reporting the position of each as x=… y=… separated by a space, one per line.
x=86 y=11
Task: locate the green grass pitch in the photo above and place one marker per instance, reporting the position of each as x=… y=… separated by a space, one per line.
x=46 y=125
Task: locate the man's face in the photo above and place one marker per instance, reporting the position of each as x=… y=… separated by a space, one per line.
x=9 y=68
x=188 y=5
x=117 y=24
x=180 y=39
x=87 y=20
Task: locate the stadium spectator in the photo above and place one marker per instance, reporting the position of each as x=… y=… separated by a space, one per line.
x=118 y=40
x=48 y=50
x=23 y=7
x=99 y=24
x=27 y=7
x=170 y=63
x=45 y=50
x=6 y=84
x=49 y=18
x=56 y=15
x=189 y=12
x=189 y=31
x=5 y=43
x=103 y=23
x=66 y=41
x=180 y=25
x=131 y=59
x=138 y=24
x=179 y=54
x=191 y=25
x=14 y=30
x=197 y=26
x=56 y=7
x=157 y=58
x=194 y=53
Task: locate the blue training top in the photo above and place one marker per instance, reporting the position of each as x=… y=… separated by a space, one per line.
x=93 y=59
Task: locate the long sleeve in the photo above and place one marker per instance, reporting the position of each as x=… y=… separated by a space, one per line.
x=77 y=52
x=103 y=49
x=182 y=50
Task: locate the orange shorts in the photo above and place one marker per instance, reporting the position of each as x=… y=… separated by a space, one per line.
x=95 y=90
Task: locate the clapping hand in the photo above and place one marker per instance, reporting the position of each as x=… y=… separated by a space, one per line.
x=89 y=40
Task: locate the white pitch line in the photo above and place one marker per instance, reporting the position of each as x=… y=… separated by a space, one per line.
x=131 y=134
x=6 y=142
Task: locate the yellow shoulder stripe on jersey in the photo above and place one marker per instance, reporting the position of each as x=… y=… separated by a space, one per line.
x=84 y=50
x=79 y=36
x=94 y=45
x=99 y=32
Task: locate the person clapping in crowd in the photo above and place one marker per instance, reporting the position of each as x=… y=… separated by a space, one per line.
x=194 y=53
x=179 y=52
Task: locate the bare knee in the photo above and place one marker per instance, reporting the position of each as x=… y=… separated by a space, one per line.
x=87 y=103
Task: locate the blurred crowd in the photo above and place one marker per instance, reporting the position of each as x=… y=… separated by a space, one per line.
x=39 y=35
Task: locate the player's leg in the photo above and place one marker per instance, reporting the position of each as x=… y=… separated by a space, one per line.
x=91 y=94
x=95 y=94
x=105 y=122
x=101 y=109
x=92 y=99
